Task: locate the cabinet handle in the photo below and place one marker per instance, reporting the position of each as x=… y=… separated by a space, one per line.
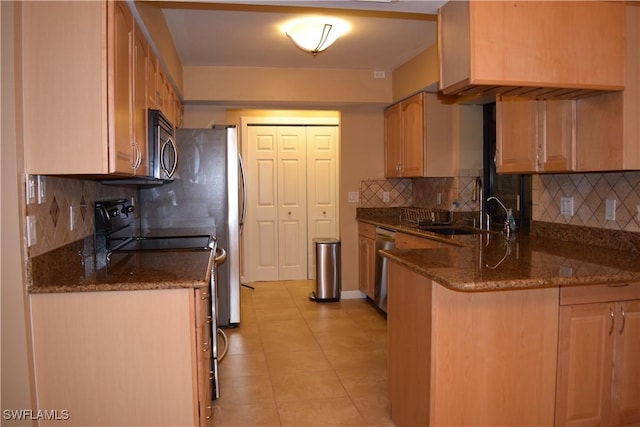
x=612 y=320
x=624 y=320
x=617 y=285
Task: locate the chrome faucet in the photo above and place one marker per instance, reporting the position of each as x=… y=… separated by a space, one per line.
x=477 y=195
x=507 y=226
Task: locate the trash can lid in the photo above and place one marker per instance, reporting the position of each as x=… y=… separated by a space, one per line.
x=326 y=240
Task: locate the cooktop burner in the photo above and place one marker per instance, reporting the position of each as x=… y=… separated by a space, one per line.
x=166 y=243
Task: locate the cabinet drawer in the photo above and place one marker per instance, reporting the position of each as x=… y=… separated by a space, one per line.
x=408 y=241
x=599 y=293
x=367 y=230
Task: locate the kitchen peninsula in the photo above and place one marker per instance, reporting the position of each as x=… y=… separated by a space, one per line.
x=528 y=331
x=123 y=340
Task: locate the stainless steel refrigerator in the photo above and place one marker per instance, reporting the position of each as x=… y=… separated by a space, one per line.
x=207 y=193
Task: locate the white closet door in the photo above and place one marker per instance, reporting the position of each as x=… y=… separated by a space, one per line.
x=292 y=203
x=322 y=187
x=262 y=203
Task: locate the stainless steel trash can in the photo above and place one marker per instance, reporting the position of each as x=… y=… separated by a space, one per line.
x=328 y=271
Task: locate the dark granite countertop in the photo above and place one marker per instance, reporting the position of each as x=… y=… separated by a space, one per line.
x=77 y=268
x=488 y=262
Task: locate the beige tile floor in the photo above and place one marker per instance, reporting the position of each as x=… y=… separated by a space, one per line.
x=294 y=362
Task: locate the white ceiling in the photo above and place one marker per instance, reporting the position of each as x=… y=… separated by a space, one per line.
x=384 y=35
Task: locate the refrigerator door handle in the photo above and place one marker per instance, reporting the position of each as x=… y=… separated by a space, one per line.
x=244 y=192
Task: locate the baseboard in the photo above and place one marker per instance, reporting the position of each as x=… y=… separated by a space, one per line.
x=352 y=295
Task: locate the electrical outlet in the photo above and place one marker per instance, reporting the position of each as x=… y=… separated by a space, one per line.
x=385 y=196
x=439 y=199
x=354 y=197
x=610 y=209
x=31 y=230
x=566 y=206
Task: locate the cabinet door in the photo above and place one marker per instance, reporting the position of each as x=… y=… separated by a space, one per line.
x=393 y=142
x=556 y=147
x=516 y=135
x=152 y=77
x=413 y=136
x=122 y=157
x=625 y=400
x=584 y=364
x=366 y=263
x=140 y=63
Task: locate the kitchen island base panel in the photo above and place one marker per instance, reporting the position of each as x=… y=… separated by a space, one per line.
x=116 y=358
x=483 y=358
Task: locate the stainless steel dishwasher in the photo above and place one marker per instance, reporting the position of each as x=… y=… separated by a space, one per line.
x=385 y=239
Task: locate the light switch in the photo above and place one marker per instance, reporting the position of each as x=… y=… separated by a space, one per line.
x=354 y=197
x=31 y=230
x=385 y=196
x=42 y=190
x=31 y=189
x=610 y=209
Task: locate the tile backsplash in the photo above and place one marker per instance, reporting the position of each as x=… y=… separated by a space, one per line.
x=52 y=216
x=590 y=192
x=441 y=193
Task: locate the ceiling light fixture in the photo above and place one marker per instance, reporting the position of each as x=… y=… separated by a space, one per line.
x=314 y=34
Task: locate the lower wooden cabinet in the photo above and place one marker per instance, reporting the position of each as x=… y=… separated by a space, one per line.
x=470 y=358
x=123 y=357
x=366 y=258
x=599 y=356
x=409 y=241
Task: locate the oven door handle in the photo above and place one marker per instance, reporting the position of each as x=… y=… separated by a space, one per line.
x=221 y=256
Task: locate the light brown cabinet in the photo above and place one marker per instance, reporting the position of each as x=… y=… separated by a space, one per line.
x=419 y=138
x=410 y=241
x=469 y=358
x=85 y=109
x=609 y=124
x=535 y=135
x=548 y=49
x=599 y=354
x=366 y=258
x=123 y=357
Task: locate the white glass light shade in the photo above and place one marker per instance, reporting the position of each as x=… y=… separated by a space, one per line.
x=315 y=34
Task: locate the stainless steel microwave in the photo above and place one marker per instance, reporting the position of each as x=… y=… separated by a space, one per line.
x=163 y=152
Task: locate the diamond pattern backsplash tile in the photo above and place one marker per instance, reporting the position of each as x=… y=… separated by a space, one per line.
x=455 y=193
x=52 y=216
x=590 y=192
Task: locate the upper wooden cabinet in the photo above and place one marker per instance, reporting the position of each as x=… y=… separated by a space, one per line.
x=535 y=136
x=608 y=133
x=424 y=136
x=85 y=83
x=531 y=48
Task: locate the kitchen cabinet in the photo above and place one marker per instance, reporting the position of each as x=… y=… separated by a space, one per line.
x=533 y=49
x=535 y=135
x=83 y=109
x=609 y=124
x=470 y=358
x=123 y=357
x=599 y=350
x=410 y=241
x=366 y=258
x=419 y=137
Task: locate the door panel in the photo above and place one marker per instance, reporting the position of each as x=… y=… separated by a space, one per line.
x=262 y=198
x=625 y=407
x=292 y=207
x=322 y=187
